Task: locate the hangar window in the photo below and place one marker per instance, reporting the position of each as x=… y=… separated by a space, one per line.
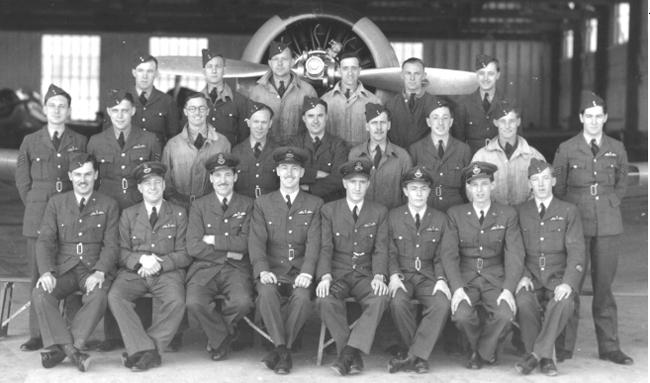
x=622 y=29
x=591 y=35
x=177 y=46
x=72 y=62
x=405 y=50
x=568 y=44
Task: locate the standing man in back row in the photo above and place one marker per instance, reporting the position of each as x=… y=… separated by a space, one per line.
x=155 y=111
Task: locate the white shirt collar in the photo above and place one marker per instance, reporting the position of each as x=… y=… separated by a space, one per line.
x=422 y=212
x=485 y=210
x=351 y=205
x=253 y=142
x=292 y=196
x=546 y=202
x=320 y=136
x=588 y=138
x=79 y=197
x=444 y=141
x=220 y=198
x=149 y=207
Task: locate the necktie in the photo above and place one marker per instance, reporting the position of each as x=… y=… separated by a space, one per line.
x=121 y=141
x=594 y=147
x=412 y=102
x=377 y=156
x=213 y=94
x=441 y=149
x=542 y=210
x=198 y=143
x=355 y=213
x=282 y=89
x=316 y=143
x=347 y=94
x=481 y=218
x=257 y=150
x=486 y=103
x=288 y=201
x=224 y=205
x=82 y=205
x=153 y=217
x=143 y=98
x=417 y=221
x=509 y=150
x=56 y=140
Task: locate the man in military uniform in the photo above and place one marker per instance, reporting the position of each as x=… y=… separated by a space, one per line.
x=283 y=92
x=353 y=262
x=442 y=156
x=555 y=253
x=474 y=113
x=43 y=159
x=76 y=251
x=256 y=169
x=186 y=154
x=346 y=103
x=155 y=111
x=482 y=256
x=217 y=238
x=415 y=232
x=389 y=160
x=591 y=172
x=326 y=152
x=284 y=242
x=409 y=108
x=152 y=259
x=227 y=108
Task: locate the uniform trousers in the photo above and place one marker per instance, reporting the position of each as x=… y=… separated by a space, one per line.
x=332 y=311
x=168 y=288
x=483 y=337
x=283 y=322
x=34 y=328
x=540 y=337
x=54 y=328
x=236 y=286
x=420 y=339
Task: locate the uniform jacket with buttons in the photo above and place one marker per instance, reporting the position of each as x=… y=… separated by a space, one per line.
x=415 y=251
x=349 y=246
x=166 y=240
x=116 y=164
x=331 y=154
x=256 y=173
x=497 y=240
x=408 y=128
x=69 y=237
x=471 y=123
x=159 y=116
x=385 y=180
x=230 y=229
x=39 y=167
x=346 y=118
x=287 y=115
x=511 y=179
x=559 y=241
x=186 y=173
x=281 y=238
x=446 y=171
x=577 y=171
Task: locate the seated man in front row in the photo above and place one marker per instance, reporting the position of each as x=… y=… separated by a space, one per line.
x=79 y=257
x=217 y=239
x=415 y=231
x=555 y=255
x=482 y=256
x=152 y=259
x=353 y=262
x=283 y=244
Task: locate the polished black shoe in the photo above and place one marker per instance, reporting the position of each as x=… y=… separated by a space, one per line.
x=342 y=364
x=393 y=350
x=356 y=366
x=527 y=364
x=52 y=358
x=130 y=361
x=32 y=344
x=547 y=367
x=221 y=352
x=285 y=364
x=271 y=359
x=474 y=362
x=176 y=343
x=421 y=366
x=149 y=359
x=109 y=345
x=491 y=362
x=617 y=357
x=81 y=360
x=398 y=362
x=561 y=355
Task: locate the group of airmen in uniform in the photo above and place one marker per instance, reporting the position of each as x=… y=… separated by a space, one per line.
x=285 y=201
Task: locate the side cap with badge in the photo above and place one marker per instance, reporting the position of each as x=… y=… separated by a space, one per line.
x=115 y=96
x=310 y=103
x=54 y=90
x=275 y=48
x=78 y=160
x=589 y=100
x=375 y=110
x=537 y=166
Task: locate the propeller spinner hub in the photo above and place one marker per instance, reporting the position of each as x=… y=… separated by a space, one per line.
x=314 y=67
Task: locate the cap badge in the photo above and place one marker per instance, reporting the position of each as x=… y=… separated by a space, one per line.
x=221 y=159
x=418 y=174
x=476 y=169
x=289 y=154
x=147 y=170
x=595 y=103
x=358 y=166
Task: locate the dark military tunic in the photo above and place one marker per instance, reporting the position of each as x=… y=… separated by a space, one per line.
x=159 y=116
x=472 y=124
x=256 y=176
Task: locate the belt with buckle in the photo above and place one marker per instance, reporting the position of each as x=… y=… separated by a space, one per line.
x=258 y=191
x=438 y=191
x=357 y=255
x=291 y=254
x=418 y=264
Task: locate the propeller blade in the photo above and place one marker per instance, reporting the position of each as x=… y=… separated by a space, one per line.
x=193 y=66
x=440 y=81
